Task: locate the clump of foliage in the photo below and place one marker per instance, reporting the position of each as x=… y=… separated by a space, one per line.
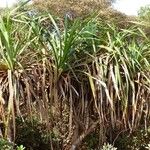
x=82 y=9
x=34 y=135
x=91 y=142
x=139 y=139
x=144 y=13
x=108 y=146
x=78 y=7
x=6 y=145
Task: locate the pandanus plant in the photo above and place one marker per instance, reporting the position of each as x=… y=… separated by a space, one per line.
x=12 y=45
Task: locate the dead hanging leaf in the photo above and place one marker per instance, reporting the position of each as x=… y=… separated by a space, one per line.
x=2 y=101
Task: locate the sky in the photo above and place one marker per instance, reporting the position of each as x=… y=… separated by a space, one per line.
x=8 y=3
x=129 y=7
x=5 y=3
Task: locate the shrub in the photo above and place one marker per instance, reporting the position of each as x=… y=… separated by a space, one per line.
x=137 y=140
x=33 y=135
x=6 y=145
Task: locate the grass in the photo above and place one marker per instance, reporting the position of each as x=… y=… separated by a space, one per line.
x=75 y=76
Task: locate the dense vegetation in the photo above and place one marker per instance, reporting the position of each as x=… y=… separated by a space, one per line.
x=74 y=82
